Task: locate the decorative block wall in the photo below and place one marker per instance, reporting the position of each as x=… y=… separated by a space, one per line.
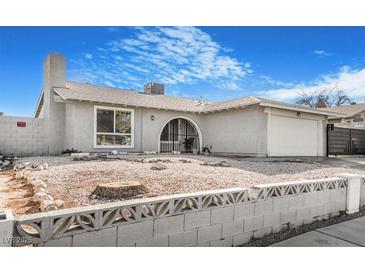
x=228 y=217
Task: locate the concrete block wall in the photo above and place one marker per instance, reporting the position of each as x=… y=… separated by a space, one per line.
x=23 y=141
x=229 y=217
x=362 y=194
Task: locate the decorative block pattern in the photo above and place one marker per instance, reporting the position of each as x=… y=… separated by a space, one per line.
x=211 y=218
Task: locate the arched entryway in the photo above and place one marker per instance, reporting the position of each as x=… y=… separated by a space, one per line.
x=180 y=134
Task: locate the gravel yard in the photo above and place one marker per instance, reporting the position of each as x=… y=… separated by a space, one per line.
x=74 y=181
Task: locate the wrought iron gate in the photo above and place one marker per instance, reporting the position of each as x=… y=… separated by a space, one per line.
x=179 y=135
x=345 y=141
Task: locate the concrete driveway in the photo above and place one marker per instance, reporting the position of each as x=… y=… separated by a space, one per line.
x=349 y=233
x=354 y=159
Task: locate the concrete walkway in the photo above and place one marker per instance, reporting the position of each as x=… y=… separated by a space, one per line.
x=349 y=233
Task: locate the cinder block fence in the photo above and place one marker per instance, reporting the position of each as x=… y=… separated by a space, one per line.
x=229 y=217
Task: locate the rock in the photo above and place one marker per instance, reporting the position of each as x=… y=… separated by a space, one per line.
x=5 y=164
x=158 y=166
x=27 y=164
x=114 y=152
x=59 y=203
x=38 y=183
x=185 y=161
x=221 y=164
x=225 y=164
x=119 y=190
x=45 y=166
x=39 y=168
x=47 y=205
x=49 y=198
x=18 y=167
x=40 y=190
x=39 y=196
x=149 y=152
x=19 y=175
x=79 y=155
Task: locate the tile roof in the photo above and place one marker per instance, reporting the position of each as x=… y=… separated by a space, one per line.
x=98 y=94
x=347 y=110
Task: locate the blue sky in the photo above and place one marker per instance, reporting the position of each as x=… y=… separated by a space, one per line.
x=213 y=63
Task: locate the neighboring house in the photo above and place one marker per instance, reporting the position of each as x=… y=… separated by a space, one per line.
x=351 y=116
x=99 y=119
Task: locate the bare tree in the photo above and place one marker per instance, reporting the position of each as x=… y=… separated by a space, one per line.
x=324 y=98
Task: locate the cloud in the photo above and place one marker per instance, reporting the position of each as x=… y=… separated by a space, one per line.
x=322 y=53
x=274 y=82
x=349 y=80
x=170 y=55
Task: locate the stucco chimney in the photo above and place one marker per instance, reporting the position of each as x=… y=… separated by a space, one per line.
x=154 y=88
x=54 y=70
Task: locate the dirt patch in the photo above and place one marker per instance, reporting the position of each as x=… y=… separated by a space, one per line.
x=16 y=194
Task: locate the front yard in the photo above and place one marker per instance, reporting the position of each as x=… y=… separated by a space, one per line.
x=74 y=181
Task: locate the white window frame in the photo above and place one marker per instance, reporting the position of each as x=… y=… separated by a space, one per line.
x=120 y=134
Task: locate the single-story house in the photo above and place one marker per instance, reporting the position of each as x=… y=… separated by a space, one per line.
x=350 y=116
x=92 y=118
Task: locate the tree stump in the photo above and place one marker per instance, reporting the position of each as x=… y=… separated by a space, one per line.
x=119 y=190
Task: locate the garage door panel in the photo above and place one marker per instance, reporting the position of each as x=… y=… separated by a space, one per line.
x=293 y=137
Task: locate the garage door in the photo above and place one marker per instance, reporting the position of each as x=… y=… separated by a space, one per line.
x=293 y=137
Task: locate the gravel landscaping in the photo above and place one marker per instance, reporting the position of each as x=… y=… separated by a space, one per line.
x=74 y=181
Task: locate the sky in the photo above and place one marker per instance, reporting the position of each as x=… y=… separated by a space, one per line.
x=209 y=63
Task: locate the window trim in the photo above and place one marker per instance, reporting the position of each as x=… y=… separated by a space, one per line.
x=120 y=134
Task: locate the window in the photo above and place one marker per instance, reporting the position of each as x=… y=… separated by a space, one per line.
x=113 y=127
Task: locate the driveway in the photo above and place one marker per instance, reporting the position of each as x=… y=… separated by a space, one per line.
x=354 y=159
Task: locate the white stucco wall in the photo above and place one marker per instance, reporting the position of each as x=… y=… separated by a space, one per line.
x=233 y=132
x=79 y=124
x=240 y=131
x=79 y=127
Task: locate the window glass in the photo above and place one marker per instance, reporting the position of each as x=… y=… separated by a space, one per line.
x=113 y=140
x=105 y=121
x=123 y=122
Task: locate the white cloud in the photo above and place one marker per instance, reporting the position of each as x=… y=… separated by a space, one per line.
x=274 y=82
x=347 y=79
x=322 y=53
x=171 y=55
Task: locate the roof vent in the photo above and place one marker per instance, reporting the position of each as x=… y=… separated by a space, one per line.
x=154 y=88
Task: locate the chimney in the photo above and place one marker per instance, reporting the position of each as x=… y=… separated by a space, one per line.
x=54 y=70
x=154 y=88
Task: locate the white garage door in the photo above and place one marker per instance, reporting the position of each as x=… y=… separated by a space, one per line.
x=293 y=137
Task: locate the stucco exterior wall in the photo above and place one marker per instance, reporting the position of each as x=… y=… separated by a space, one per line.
x=153 y=128
x=235 y=132
x=79 y=128
x=240 y=131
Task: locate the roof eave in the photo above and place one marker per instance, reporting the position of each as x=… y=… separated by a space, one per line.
x=264 y=104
